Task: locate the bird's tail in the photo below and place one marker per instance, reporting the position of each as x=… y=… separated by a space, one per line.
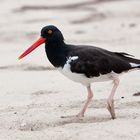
x=135 y=63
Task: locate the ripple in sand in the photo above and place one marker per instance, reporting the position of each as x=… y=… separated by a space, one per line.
x=26 y=67
x=40 y=125
x=91 y=17
x=76 y=6
x=44 y=92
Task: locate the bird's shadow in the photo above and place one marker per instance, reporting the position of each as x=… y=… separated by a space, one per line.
x=65 y=120
x=73 y=119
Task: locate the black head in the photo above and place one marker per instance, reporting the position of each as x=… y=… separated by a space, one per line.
x=52 y=34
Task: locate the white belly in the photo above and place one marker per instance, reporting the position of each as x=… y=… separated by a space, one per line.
x=81 y=78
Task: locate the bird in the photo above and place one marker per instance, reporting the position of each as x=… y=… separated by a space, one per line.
x=85 y=64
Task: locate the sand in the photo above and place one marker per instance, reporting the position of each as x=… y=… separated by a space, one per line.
x=34 y=96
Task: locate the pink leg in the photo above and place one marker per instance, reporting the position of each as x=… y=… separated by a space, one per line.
x=89 y=98
x=110 y=101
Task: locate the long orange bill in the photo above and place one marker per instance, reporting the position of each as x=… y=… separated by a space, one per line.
x=40 y=41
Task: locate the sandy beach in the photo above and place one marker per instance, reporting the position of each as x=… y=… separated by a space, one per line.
x=34 y=96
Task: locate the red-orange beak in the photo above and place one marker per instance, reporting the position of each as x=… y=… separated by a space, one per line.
x=40 y=41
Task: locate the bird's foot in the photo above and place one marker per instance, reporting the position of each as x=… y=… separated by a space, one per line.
x=110 y=107
x=80 y=115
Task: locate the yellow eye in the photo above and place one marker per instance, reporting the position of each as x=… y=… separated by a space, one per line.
x=50 y=31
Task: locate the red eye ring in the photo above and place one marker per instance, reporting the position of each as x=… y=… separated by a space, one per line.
x=50 y=31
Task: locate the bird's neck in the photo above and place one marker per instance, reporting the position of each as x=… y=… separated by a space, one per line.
x=57 y=53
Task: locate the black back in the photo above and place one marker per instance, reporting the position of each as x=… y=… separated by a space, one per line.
x=94 y=61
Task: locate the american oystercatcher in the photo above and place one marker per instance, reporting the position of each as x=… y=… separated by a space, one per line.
x=84 y=64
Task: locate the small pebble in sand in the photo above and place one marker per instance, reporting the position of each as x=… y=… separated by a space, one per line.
x=131 y=25
x=122 y=25
x=23 y=124
x=136 y=94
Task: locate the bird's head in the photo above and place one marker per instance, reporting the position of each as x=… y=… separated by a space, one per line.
x=49 y=34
